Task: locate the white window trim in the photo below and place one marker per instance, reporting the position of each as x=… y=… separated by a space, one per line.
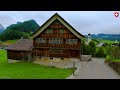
x=55 y=41
x=71 y=41
x=40 y=40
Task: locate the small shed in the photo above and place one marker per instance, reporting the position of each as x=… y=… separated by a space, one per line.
x=21 y=50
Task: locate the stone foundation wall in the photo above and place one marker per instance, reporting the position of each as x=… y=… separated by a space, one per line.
x=48 y=58
x=13 y=61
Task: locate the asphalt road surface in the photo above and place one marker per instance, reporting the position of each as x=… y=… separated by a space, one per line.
x=96 y=69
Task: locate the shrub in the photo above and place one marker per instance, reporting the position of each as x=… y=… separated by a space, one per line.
x=108 y=58
x=92 y=44
x=115 y=52
x=101 y=52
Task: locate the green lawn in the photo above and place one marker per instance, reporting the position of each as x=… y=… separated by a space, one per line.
x=28 y=70
x=9 y=42
x=115 y=60
x=107 y=41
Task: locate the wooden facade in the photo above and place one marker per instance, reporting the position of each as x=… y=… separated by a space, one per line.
x=22 y=50
x=19 y=55
x=56 y=40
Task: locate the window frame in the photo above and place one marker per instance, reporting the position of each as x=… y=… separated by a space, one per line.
x=40 y=40
x=55 y=41
x=72 y=41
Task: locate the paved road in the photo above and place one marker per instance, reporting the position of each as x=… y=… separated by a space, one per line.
x=96 y=69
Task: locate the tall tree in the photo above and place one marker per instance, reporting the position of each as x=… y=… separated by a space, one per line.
x=92 y=48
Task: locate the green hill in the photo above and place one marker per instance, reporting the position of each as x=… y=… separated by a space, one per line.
x=16 y=31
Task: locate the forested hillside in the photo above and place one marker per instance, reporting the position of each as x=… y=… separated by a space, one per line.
x=16 y=31
x=103 y=36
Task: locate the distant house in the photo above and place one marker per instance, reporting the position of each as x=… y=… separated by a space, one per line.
x=100 y=44
x=55 y=38
x=115 y=44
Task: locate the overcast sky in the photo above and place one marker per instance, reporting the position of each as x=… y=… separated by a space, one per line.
x=85 y=22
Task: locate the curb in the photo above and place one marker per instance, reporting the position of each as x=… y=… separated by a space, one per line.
x=73 y=76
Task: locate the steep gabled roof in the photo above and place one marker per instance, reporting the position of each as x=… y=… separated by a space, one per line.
x=53 y=18
x=21 y=45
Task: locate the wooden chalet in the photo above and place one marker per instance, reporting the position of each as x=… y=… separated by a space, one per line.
x=55 y=38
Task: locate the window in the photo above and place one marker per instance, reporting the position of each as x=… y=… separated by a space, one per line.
x=71 y=41
x=50 y=41
x=49 y=31
x=61 y=41
x=67 y=41
x=75 y=41
x=61 y=31
x=55 y=41
x=40 y=40
x=37 y=40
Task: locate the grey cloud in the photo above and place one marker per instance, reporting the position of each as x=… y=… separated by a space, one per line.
x=83 y=21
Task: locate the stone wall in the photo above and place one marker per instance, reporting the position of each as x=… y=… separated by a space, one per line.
x=115 y=66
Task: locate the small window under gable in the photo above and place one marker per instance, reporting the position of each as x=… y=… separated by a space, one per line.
x=49 y=31
x=61 y=31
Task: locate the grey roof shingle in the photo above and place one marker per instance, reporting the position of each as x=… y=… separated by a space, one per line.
x=21 y=45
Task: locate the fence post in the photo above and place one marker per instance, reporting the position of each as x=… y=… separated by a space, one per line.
x=73 y=68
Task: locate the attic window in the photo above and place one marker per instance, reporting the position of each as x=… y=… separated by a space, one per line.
x=61 y=31
x=49 y=31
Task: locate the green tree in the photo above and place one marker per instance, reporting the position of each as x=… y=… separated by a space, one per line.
x=13 y=34
x=108 y=49
x=115 y=52
x=88 y=50
x=83 y=47
x=92 y=48
x=101 y=52
x=92 y=44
